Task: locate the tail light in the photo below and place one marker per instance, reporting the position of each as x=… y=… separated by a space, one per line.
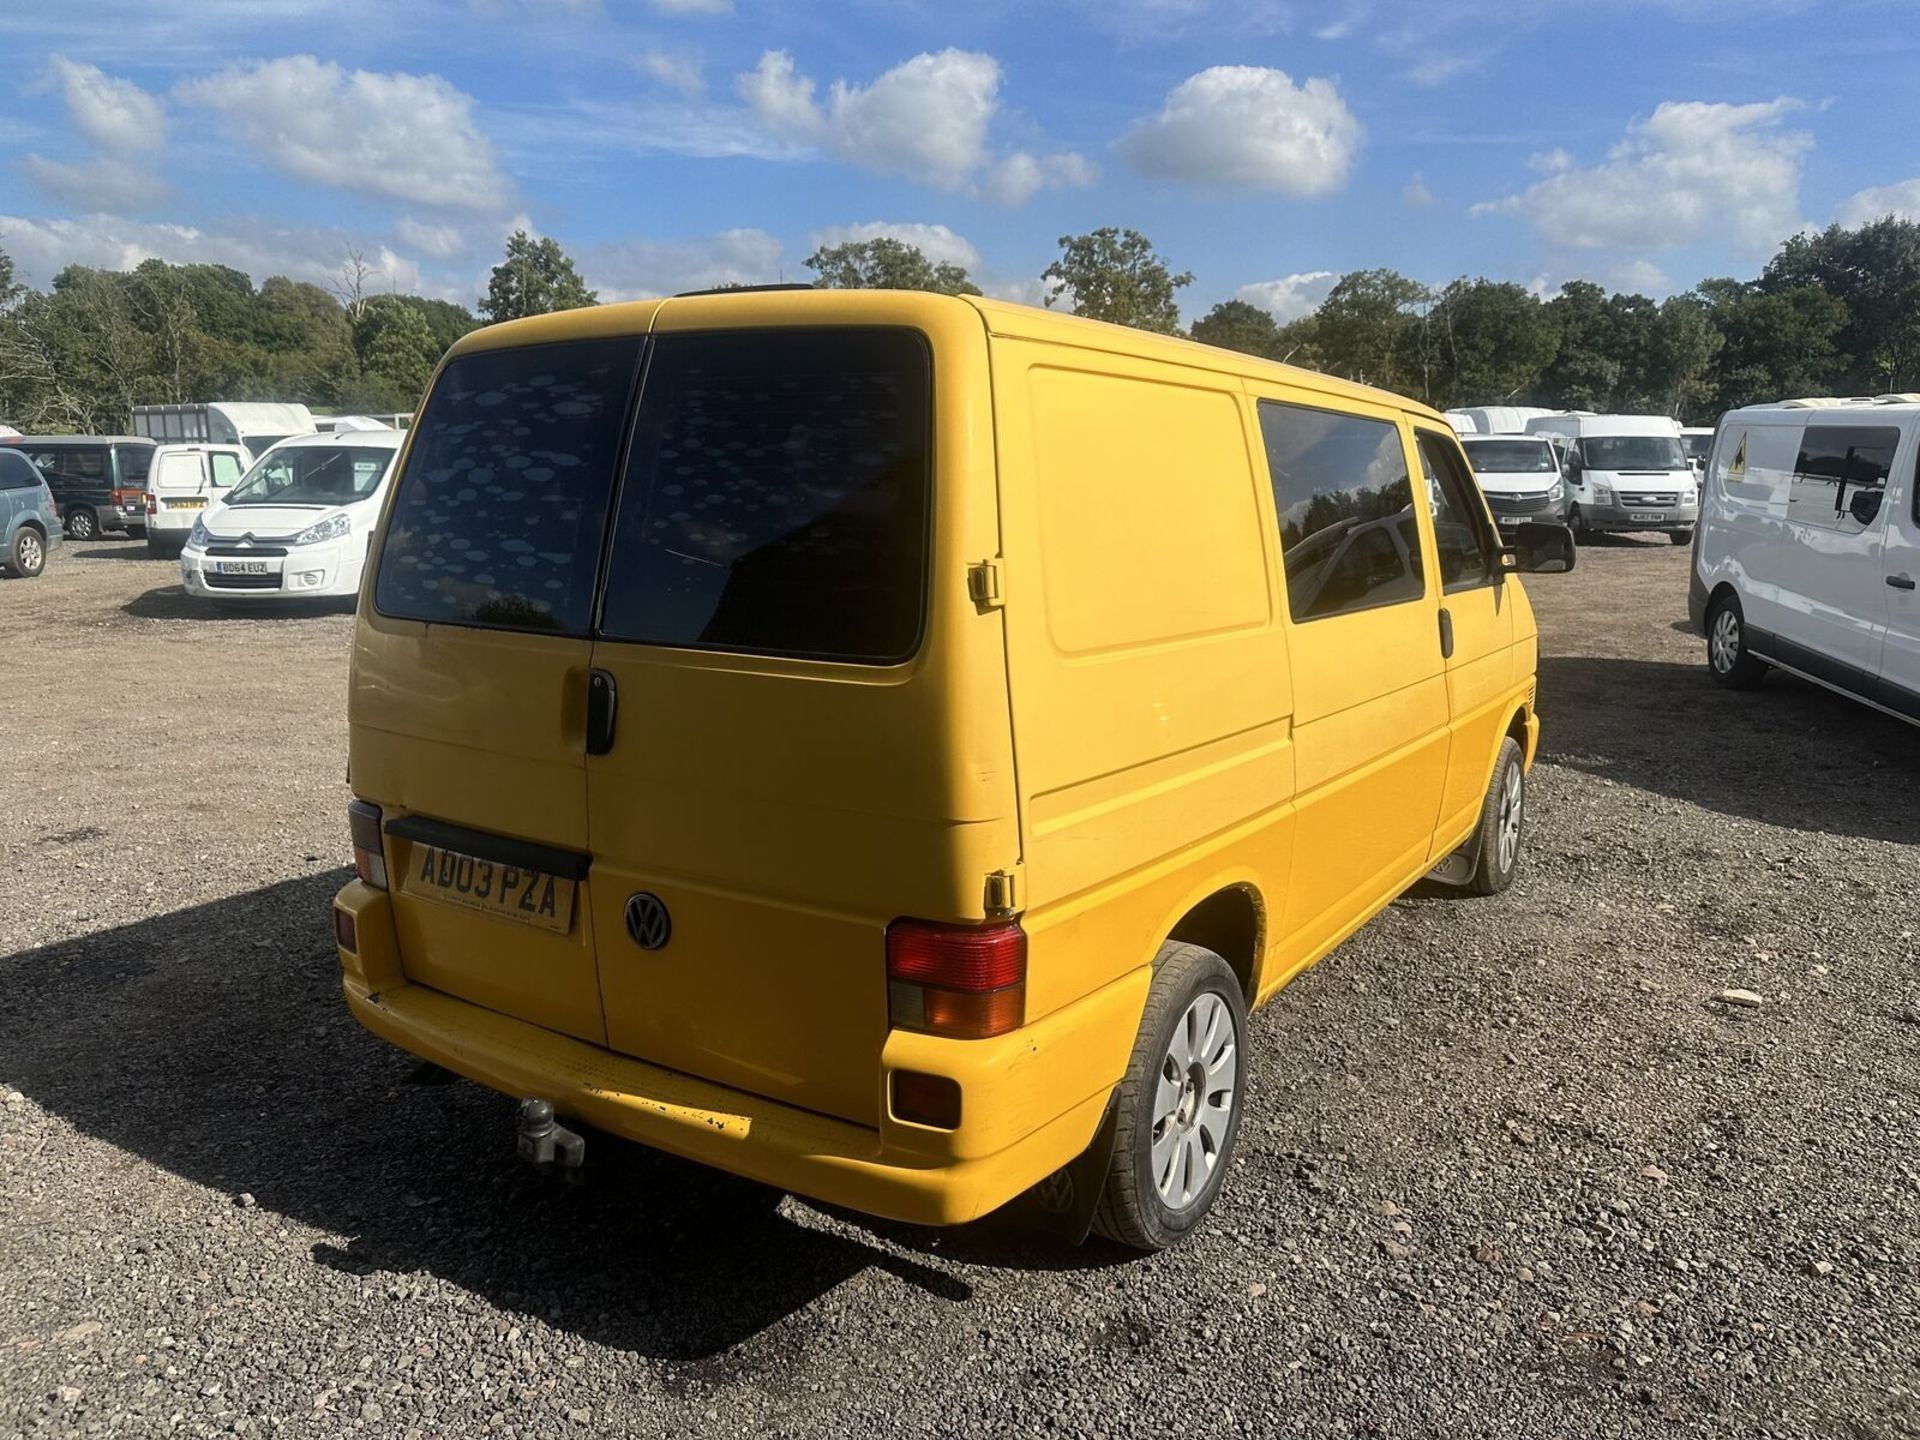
x=369 y=859
x=966 y=982
x=153 y=503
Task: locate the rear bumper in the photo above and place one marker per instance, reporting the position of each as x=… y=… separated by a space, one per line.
x=1031 y=1101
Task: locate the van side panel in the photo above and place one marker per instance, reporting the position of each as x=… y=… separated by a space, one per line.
x=1148 y=668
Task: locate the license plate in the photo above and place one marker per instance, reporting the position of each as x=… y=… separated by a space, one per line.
x=185 y=504
x=1653 y=515
x=508 y=892
x=240 y=567
x=1509 y=519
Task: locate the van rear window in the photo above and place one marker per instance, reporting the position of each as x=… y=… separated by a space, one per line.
x=776 y=500
x=499 y=514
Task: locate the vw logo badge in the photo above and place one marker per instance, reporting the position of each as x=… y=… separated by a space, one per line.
x=647 y=920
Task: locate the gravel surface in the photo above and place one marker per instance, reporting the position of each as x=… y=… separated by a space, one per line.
x=1509 y=1168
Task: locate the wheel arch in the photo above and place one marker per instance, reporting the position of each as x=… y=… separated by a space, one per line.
x=1230 y=919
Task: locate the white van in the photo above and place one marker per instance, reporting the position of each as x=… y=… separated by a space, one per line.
x=1522 y=476
x=1625 y=472
x=1809 y=552
x=182 y=482
x=1462 y=423
x=298 y=523
x=1501 y=419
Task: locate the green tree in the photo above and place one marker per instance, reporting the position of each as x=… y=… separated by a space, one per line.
x=885 y=263
x=1116 y=275
x=536 y=278
x=1486 y=343
x=1236 y=325
x=1875 y=272
x=1371 y=327
x=397 y=354
x=1777 y=344
x=1677 y=374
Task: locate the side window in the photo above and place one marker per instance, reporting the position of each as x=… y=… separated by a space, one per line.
x=226 y=468
x=135 y=462
x=1459 y=521
x=1840 y=475
x=1348 y=536
x=16 y=473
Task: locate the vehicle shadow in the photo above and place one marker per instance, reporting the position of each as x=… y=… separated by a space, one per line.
x=172 y=602
x=1789 y=754
x=213 y=1042
x=123 y=547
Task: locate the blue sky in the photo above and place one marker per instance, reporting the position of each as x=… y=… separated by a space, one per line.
x=1265 y=145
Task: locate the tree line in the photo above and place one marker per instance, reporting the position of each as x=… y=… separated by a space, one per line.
x=1834 y=312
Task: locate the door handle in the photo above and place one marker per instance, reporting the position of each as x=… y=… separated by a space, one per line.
x=1446 y=633
x=603 y=705
x=1901 y=582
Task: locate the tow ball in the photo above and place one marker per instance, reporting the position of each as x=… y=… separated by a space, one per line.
x=543 y=1141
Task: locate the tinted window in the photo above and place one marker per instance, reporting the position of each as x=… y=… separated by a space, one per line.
x=500 y=510
x=776 y=499
x=1459 y=522
x=1632 y=452
x=1512 y=457
x=17 y=472
x=1837 y=466
x=1348 y=537
x=135 y=462
x=73 y=464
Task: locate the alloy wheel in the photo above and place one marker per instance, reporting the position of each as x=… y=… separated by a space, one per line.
x=1193 y=1101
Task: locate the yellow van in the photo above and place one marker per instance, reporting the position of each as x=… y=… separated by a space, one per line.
x=882 y=744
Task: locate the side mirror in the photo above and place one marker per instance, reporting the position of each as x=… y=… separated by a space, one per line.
x=1865 y=505
x=1540 y=547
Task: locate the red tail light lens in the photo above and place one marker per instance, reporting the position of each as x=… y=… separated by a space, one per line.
x=923 y=1099
x=369 y=857
x=966 y=982
x=153 y=503
x=346 y=931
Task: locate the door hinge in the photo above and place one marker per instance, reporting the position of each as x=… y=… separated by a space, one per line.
x=1004 y=892
x=983 y=584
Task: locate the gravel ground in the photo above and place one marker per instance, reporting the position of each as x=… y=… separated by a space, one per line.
x=1509 y=1169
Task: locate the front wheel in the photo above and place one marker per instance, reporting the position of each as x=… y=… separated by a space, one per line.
x=1177 y=1110
x=1728 y=658
x=82 y=524
x=1680 y=537
x=28 y=556
x=1503 y=822
x=1577 y=523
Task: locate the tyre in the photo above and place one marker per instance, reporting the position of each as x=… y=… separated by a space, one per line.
x=1727 y=655
x=27 y=556
x=82 y=524
x=1503 y=822
x=163 y=549
x=1577 y=523
x=1177 y=1109
x=137 y=532
x=1680 y=537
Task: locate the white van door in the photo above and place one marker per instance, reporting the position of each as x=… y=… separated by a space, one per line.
x=1900 y=589
x=1833 y=594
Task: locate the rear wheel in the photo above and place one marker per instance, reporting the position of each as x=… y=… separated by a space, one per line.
x=1680 y=537
x=28 y=556
x=1727 y=655
x=1503 y=820
x=82 y=524
x=163 y=549
x=1177 y=1110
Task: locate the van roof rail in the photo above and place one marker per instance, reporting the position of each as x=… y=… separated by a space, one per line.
x=743 y=290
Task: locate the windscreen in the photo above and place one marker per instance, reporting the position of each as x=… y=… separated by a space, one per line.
x=1697 y=446
x=1632 y=452
x=1511 y=457
x=313 y=475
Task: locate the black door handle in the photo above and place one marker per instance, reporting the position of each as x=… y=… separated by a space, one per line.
x=603 y=705
x=1900 y=582
x=1446 y=634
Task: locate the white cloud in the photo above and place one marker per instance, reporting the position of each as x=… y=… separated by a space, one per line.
x=1901 y=200
x=679 y=73
x=1032 y=291
x=1437 y=69
x=41 y=248
x=442 y=242
x=106 y=182
x=408 y=137
x=117 y=115
x=1690 y=171
x=938 y=243
x=1245 y=125
x=927 y=118
x=637 y=269
x=1640 y=277
x=1017 y=178
x=693 y=7
x=1291 y=296
x=1416 y=194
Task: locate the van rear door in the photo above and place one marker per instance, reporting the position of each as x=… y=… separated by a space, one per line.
x=471 y=666
x=789 y=767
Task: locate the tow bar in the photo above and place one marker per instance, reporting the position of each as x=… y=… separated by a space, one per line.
x=545 y=1142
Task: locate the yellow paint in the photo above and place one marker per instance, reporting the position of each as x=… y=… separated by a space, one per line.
x=1133 y=725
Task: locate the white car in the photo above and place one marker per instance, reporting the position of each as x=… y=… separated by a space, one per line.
x=1625 y=472
x=182 y=481
x=298 y=523
x=1809 y=549
x=1522 y=477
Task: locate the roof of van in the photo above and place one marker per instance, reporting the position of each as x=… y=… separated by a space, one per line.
x=1590 y=423
x=1003 y=318
x=1841 y=402
x=378 y=439
x=79 y=440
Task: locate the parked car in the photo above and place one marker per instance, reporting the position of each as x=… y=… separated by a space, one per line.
x=1697 y=441
x=29 y=519
x=98 y=481
x=183 y=481
x=298 y=524
x=1809 y=552
x=847 y=759
x=1522 y=476
x=1625 y=473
